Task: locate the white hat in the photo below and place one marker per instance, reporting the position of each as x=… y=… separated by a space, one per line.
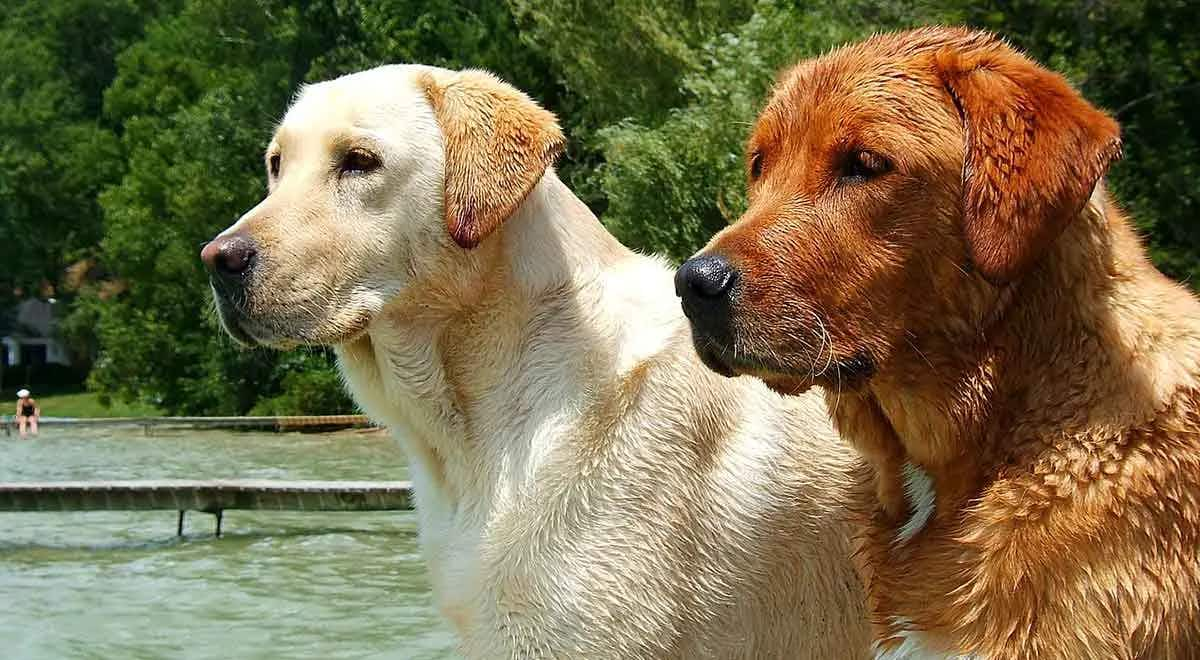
x=21 y=394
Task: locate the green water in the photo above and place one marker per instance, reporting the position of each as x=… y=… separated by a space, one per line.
x=276 y=585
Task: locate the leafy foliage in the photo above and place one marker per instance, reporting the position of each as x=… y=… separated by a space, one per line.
x=56 y=152
x=131 y=131
x=673 y=184
x=1140 y=59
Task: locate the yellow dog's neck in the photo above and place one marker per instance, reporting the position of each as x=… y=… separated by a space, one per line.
x=438 y=365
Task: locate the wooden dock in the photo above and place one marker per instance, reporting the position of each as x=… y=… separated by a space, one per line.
x=213 y=497
x=266 y=423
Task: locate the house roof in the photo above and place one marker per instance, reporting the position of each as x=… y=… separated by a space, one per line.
x=34 y=318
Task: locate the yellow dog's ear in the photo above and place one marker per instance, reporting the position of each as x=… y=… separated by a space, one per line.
x=498 y=145
x=1035 y=150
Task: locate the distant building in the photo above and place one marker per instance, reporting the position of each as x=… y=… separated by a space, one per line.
x=29 y=340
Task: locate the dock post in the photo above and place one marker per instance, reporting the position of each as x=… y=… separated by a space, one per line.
x=220 y=514
x=179 y=526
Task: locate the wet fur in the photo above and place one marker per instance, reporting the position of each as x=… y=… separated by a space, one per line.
x=1027 y=356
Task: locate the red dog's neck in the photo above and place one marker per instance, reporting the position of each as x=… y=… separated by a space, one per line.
x=1065 y=349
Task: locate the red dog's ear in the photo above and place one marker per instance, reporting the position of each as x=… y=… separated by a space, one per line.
x=498 y=144
x=1035 y=150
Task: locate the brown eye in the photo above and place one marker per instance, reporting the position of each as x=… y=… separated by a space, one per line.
x=357 y=161
x=862 y=165
x=756 y=165
x=273 y=165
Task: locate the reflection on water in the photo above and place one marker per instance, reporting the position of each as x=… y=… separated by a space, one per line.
x=276 y=585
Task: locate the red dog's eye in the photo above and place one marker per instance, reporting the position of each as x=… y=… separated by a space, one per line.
x=862 y=165
x=756 y=165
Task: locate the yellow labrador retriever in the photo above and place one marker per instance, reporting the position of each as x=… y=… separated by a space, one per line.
x=585 y=487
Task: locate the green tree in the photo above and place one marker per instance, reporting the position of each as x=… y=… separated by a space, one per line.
x=670 y=174
x=1139 y=59
x=197 y=99
x=56 y=150
x=131 y=132
x=669 y=183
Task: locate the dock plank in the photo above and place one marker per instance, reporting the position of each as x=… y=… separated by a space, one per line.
x=275 y=423
x=206 y=495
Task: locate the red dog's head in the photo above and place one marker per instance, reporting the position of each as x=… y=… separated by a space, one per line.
x=895 y=187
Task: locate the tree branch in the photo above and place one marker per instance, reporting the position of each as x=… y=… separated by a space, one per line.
x=1152 y=95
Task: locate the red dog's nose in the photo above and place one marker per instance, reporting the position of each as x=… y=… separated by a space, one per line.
x=229 y=255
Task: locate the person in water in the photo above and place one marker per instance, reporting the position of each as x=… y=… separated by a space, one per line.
x=27 y=413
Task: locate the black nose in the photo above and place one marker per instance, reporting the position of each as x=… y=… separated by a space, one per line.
x=705 y=277
x=228 y=256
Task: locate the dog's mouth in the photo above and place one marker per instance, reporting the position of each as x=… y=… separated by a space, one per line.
x=714 y=356
x=730 y=362
x=282 y=333
x=233 y=327
x=242 y=328
x=836 y=373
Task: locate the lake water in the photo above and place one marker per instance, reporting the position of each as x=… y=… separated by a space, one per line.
x=275 y=585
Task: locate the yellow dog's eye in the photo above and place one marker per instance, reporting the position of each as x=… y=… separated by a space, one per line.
x=357 y=161
x=273 y=165
x=861 y=165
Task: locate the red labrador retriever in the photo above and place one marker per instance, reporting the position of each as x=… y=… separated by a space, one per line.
x=928 y=240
